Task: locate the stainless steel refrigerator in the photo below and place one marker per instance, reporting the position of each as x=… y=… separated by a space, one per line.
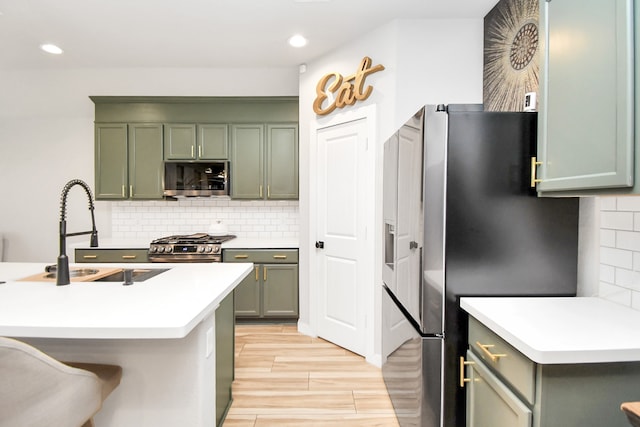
x=461 y=219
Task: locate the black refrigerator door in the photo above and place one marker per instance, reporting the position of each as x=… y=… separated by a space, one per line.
x=413 y=369
x=501 y=239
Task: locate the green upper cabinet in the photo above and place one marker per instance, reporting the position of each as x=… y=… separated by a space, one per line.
x=179 y=141
x=146 y=170
x=213 y=142
x=247 y=161
x=185 y=141
x=282 y=161
x=264 y=161
x=111 y=161
x=586 y=121
x=128 y=161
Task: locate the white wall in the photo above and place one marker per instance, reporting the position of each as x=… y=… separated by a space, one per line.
x=46 y=139
x=427 y=62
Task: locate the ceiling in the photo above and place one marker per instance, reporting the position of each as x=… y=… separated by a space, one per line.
x=198 y=33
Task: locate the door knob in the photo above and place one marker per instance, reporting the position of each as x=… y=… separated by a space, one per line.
x=319 y=245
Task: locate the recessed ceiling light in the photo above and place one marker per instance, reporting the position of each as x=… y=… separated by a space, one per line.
x=51 y=48
x=297 y=41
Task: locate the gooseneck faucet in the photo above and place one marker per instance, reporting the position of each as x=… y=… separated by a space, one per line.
x=62 y=271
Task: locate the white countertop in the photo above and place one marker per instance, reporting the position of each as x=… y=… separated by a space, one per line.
x=168 y=305
x=562 y=330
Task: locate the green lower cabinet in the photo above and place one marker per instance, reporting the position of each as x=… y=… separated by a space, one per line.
x=506 y=389
x=271 y=291
x=112 y=255
x=225 y=352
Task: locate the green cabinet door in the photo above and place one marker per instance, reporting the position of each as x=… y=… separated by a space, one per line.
x=111 y=161
x=213 y=142
x=180 y=141
x=490 y=402
x=145 y=161
x=248 y=296
x=247 y=160
x=586 y=123
x=280 y=290
x=225 y=351
x=282 y=161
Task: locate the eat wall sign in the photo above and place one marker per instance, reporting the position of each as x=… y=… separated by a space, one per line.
x=344 y=90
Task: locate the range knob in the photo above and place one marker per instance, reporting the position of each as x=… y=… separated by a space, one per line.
x=216 y=249
x=153 y=249
x=169 y=249
x=208 y=249
x=161 y=249
x=201 y=249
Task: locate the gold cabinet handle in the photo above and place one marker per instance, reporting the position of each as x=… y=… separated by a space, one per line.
x=261 y=191
x=279 y=257
x=90 y=256
x=534 y=165
x=199 y=150
x=192 y=156
x=131 y=191
x=241 y=256
x=464 y=363
x=486 y=350
x=129 y=257
x=257 y=269
x=264 y=273
x=123 y=190
x=268 y=191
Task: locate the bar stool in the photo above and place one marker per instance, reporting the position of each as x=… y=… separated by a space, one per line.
x=632 y=410
x=38 y=390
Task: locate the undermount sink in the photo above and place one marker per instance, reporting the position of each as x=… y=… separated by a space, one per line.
x=138 y=275
x=76 y=272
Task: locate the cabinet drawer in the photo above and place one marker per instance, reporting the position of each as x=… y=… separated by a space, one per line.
x=490 y=402
x=262 y=256
x=503 y=359
x=111 y=255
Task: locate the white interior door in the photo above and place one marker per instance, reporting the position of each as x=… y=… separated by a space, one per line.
x=342 y=196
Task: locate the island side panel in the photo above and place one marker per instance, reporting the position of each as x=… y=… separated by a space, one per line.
x=165 y=382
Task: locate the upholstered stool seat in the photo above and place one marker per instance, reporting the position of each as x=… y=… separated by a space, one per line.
x=632 y=410
x=37 y=390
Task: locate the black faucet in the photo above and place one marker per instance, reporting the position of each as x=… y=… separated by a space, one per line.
x=62 y=271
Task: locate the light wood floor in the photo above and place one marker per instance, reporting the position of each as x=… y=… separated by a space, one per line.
x=286 y=379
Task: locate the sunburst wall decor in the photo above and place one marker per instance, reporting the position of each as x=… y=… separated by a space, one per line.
x=511 y=54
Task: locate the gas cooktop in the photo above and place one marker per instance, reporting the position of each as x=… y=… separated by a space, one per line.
x=199 y=247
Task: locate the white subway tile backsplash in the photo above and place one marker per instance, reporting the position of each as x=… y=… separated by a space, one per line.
x=629 y=240
x=615 y=294
x=608 y=238
x=616 y=257
x=154 y=219
x=620 y=250
x=616 y=220
x=631 y=203
x=608 y=203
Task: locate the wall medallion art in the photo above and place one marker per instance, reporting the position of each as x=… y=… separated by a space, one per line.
x=511 y=54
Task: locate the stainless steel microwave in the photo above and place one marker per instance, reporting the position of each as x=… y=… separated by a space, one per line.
x=196 y=179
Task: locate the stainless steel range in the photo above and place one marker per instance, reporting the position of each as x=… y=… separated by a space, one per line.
x=200 y=247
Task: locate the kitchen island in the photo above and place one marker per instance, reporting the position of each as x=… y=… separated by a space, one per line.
x=161 y=331
x=545 y=362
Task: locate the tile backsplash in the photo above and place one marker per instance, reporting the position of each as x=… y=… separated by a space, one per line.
x=154 y=219
x=620 y=250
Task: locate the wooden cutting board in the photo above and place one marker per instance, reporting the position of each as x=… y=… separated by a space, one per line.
x=101 y=272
